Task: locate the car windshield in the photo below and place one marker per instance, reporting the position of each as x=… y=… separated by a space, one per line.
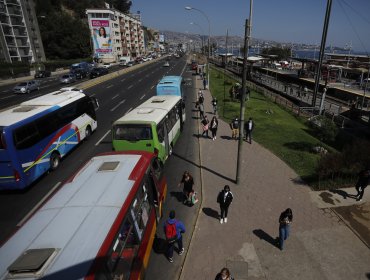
x=65 y=77
x=22 y=84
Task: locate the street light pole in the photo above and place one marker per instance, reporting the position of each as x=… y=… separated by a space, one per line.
x=201 y=29
x=209 y=38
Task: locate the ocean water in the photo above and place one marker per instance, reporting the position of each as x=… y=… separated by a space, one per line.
x=311 y=54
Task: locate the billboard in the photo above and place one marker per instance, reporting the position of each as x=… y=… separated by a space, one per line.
x=101 y=33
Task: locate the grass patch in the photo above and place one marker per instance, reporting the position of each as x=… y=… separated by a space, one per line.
x=276 y=129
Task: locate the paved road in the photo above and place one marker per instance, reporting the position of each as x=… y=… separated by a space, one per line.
x=116 y=97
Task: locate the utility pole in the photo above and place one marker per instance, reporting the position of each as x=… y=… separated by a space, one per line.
x=223 y=108
x=322 y=49
x=242 y=101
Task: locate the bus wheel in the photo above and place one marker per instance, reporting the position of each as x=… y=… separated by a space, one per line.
x=87 y=132
x=54 y=161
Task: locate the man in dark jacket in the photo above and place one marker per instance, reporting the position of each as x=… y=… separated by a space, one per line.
x=224 y=198
x=362 y=182
x=248 y=128
x=234 y=125
x=173 y=225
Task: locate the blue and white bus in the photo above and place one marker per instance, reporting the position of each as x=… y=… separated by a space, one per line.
x=36 y=134
x=171 y=85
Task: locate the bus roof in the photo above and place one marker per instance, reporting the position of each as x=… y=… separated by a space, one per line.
x=152 y=110
x=170 y=79
x=38 y=105
x=78 y=218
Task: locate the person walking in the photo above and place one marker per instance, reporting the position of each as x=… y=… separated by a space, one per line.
x=234 y=125
x=204 y=83
x=200 y=97
x=188 y=186
x=214 y=105
x=201 y=110
x=248 y=128
x=173 y=230
x=224 y=275
x=362 y=183
x=285 y=219
x=213 y=127
x=205 y=126
x=224 y=198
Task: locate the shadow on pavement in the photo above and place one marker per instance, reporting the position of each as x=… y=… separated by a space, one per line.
x=159 y=245
x=227 y=137
x=344 y=194
x=178 y=195
x=265 y=236
x=210 y=212
x=205 y=168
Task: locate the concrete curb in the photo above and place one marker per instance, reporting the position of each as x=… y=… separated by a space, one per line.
x=195 y=226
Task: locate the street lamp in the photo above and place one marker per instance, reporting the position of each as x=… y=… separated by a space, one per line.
x=209 y=37
x=201 y=29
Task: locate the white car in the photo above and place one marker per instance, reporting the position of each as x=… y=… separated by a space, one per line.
x=107 y=65
x=166 y=64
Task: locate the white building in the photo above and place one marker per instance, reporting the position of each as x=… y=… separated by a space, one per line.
x=20 y=38
x=115 y=34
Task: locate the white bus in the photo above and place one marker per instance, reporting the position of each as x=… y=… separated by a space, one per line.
x=37 y=133
x=153 y=126
x=100 y=224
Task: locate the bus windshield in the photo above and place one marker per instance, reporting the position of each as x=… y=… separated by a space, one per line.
x=133 y=132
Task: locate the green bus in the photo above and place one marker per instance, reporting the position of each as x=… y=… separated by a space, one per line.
x=153 y=126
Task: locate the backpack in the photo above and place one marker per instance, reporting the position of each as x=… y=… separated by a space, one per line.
x=171 y=232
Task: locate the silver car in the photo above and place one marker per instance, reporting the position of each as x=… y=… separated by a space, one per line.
x=26 y=87
x=67 y=79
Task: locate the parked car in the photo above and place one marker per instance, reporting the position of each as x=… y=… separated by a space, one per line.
x=80 y=73
x=26 y=87
x=96 y=72
x=166 y=64
x=130 y=63
x=107 y=65
x=68 y=79
x=42 y=74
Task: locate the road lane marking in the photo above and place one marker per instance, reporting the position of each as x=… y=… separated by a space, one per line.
x=119 y=104
x=142 y=96
x=140 y=80
x=6 y=97
x=115 y=96
x=130 y=86
x=33 y=210
x=101 y=139
x=122 y=80
x=109 y=86
x=147 y=76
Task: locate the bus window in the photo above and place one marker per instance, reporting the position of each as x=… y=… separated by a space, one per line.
x=133 y=132
x=123 y=252
x=26 y=136
x=160 y=131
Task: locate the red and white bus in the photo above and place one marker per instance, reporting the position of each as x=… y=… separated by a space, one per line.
x=99 y=225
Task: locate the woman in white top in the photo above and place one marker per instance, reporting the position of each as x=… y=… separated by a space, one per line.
x=102 y=40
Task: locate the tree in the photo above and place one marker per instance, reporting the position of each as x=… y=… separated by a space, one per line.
x=280 y=52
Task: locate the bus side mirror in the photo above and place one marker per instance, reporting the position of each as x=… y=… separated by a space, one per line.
x=183 y=104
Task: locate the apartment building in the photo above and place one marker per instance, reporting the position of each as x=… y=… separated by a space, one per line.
x=20 y=38
x=115 y=34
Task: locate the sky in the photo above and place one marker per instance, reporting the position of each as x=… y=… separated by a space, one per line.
x=291 y=21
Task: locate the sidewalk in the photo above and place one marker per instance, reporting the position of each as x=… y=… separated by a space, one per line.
x=321 y=245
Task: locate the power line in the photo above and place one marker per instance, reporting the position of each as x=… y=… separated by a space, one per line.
x=351 y=24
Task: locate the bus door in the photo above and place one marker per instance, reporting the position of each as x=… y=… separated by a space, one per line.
x=166 y=140
x=7 y=171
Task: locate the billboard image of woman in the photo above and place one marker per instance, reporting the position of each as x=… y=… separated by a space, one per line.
x=101 y=36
